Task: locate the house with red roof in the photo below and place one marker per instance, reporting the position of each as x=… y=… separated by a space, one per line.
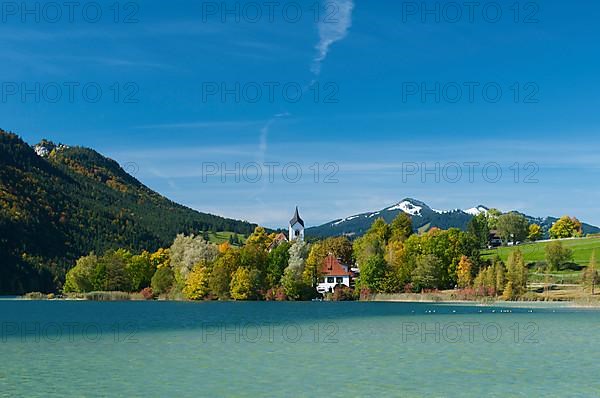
x=333 y=273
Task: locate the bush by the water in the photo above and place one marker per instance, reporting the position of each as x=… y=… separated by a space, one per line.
x=108 y=296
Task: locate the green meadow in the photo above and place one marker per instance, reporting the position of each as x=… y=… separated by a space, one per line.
x=223 y=236
x=582 y=250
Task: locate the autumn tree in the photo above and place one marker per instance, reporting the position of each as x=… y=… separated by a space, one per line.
x=243 y=284
x=160 y=258
x=517 y=273
x=465 y=272
x=591 y=277
x=196 y=284
x=534 y=233
x=566 y=227
x=259 y=238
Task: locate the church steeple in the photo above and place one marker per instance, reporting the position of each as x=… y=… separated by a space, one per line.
x=296 y=231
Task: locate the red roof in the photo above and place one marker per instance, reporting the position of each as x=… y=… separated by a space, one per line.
x=332 y=267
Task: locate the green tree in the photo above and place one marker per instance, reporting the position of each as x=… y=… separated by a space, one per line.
x=278 y=260
x=427 y=274
x=401 y=228
x=80 y=278
x=341 y=247
x=163 y=280
x=224 y=267
x=292 y=283
x=513 y=227
x=492 y=217
x=373 y=243
x=140 y=270
x=478 y=227
x=557 y=255
x=312 y=269
x=566 y=227
x=373 y=272
x=111 y=273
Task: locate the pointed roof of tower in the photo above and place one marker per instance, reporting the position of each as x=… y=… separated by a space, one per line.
x=296 y=218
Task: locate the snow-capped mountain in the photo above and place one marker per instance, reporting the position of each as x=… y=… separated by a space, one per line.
x=475 y=211
x=423 y=216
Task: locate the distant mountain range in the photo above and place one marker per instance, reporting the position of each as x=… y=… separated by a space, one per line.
x=423 y=217
x=58 y=203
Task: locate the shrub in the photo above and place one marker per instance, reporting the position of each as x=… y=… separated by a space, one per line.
x=365 y=294
x=276 y=293
x=163 y=280
x=342 y=293
x=108 y=296
x=147 y=293
x=36 y=296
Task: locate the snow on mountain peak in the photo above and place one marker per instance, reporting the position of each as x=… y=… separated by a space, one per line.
x=475 y=211
x=407 y=207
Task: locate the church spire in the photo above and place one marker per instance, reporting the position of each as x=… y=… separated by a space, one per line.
x=296 y=219
x=296 y=227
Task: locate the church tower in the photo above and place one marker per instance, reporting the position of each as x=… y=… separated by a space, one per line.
x=296 y=227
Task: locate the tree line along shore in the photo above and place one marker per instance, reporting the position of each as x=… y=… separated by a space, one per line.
x=391 y=259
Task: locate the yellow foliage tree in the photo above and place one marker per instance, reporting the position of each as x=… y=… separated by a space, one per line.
x=196 y=285
x=464 y=272
x=160 y=258
x=241 y=284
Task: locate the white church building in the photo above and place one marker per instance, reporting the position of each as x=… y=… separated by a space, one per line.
x=296 y=230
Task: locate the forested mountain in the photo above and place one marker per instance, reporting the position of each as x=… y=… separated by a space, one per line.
x=61 y=203
x=423 y=218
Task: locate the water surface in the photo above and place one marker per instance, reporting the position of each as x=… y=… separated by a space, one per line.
x=67 y=348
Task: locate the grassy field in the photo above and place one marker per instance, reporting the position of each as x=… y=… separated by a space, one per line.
x=221 y=237
x=582 y=250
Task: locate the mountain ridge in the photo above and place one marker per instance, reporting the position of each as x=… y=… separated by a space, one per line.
x=424 y=218
x=58 y=203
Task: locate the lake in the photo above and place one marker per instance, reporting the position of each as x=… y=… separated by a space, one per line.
x=295 y=349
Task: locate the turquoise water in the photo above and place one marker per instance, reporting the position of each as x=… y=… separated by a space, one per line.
x=66 y=348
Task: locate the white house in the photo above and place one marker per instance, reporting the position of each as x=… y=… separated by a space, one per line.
x=296 y=231
x=334 y=274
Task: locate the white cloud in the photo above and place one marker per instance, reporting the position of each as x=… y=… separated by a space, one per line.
x=332 y=28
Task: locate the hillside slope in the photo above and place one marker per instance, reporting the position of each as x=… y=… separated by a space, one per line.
x=66 y=202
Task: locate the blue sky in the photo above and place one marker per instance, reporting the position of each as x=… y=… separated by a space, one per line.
x=372 y=124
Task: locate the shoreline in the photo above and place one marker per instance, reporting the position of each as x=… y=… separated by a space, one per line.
x=478 y=303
